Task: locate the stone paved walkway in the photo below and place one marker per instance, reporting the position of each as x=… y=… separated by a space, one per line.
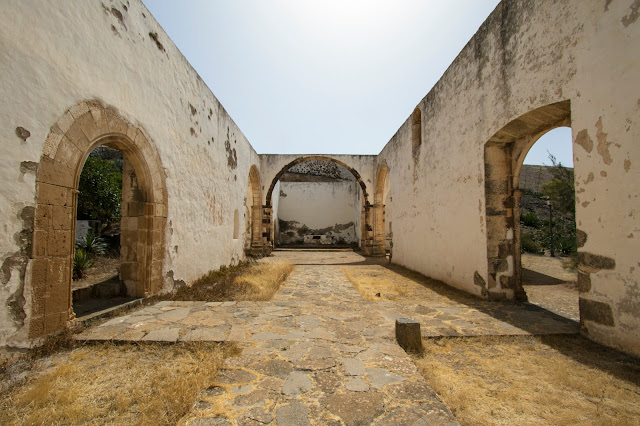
x=317 y=353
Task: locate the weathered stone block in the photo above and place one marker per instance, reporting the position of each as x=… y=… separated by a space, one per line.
x=595 y=262
x=506 y=281
x=43 y=217
x=53 y=194
x=39 y=268
x=88 y=126
x=57 y=300
x=408 y=335
x=57 y=270
x=40 y=239
x=99 y=117
x=78 y=138
x=478 y=280
x=67 y=153
x=54 y=322
x=598 y=312
x=116 y=124
x=61 y=217
x=584 y=282
x=59 y=243
x=37 y=305
x=36 y=326
x=55 y=173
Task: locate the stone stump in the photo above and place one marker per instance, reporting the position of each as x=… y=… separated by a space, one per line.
x=408 y=335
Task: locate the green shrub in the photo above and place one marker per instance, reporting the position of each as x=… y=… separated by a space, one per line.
x=529 y=244
x=81 y=262
x=564 y=237
x=530 y=219
x=100 y=191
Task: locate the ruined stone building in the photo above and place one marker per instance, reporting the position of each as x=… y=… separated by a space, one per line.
x=75 y=75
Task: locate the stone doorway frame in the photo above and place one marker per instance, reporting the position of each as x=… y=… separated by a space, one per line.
x=253 y=241
x=379 y=213
x=504 y=155
x=76 y=133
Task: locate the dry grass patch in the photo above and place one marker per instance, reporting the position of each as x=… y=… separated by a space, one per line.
x=130 y=384
x=394 y=283
x=532 y=380
x=262 y=281
x=246 y=281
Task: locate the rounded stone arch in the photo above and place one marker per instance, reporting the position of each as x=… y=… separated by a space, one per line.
x=299 y=160
x=366 y=220
x=144 y=210
x=379 y=210
x=253 y=205
x=504 y=155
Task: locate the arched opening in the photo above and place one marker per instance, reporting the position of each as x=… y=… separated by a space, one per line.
x=76 y=134
x=318 y=201
x=416 y=129
x=504 y=156
x=383 y=226
x=253 y=213
x=547 y=224
x=97 y=281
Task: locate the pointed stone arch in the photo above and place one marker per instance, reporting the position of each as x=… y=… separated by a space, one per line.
x=75 y=134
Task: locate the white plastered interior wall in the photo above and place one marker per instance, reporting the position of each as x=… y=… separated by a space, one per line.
x=116 y=60
x=319 y=204
x=525 y=56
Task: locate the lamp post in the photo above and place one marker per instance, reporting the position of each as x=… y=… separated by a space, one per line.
x=550 y=227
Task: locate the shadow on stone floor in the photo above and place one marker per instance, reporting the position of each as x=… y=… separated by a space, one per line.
x=530 y=277
x=523 y=315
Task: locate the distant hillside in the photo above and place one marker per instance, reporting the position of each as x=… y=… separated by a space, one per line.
x=532 y=177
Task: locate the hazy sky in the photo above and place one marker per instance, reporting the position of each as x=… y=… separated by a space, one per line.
x=330 y=76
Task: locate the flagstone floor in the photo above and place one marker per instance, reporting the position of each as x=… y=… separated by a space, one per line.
x=318 y=353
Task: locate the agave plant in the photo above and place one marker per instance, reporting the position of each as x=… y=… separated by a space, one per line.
x=81 y=262
x=92 y=244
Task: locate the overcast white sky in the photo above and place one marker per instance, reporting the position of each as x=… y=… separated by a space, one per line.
x=330 y=76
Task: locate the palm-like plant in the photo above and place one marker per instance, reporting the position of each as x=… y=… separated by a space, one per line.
x=92 y=244
x=81 y=262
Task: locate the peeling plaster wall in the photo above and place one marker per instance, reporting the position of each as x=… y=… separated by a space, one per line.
x=317 y=206
x=122 y=57
x=525 y=56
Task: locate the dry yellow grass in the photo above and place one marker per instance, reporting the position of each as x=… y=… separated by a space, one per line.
x=377 y=283
x=533 y=380
x=262 y=280
x=131 y=384
x=246 y=281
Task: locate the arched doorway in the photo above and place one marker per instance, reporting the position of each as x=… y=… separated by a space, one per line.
x=253 y=213
x=81 y=129
x=383 y=233
x=547 y=223
x=271 y=207
x=504 y=155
